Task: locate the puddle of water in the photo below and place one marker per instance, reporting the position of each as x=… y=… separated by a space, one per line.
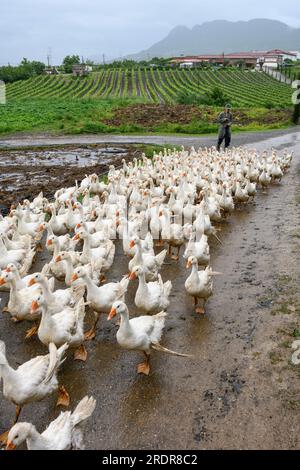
x=78 y=157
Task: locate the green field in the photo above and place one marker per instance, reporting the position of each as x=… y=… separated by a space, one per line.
x=243 y=88
x=63 y=104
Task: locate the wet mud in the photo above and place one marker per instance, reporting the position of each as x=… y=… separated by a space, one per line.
x=24 y=173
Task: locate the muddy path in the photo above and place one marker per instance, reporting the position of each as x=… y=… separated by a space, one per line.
x=239 y=390
x=23 y=140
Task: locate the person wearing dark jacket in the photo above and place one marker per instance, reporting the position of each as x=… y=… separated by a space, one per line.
x=225 y=120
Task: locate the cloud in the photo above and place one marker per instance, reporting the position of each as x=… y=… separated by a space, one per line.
x=117 y=27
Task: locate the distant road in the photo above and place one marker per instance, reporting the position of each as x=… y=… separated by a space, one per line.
x=45 y=140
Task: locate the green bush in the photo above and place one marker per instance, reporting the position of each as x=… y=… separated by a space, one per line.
x=269 y=105
x=215 y=97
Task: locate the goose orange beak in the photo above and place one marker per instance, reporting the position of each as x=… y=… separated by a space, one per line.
x=188 y=265
x=131 y=244
x=31 y=282
x=58 y=259
x=2 y=281
x=132 y=276
x=49 y=242
x=112 y=314
x=10 y=446
x=76 y=237
x=34 y=306
x=8 y=270
x=78 y=225
x=74 y=278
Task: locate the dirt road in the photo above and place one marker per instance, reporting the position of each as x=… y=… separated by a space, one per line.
x=39 y=140
x=239 y=391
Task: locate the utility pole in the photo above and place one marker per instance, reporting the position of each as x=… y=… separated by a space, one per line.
x=49 y=57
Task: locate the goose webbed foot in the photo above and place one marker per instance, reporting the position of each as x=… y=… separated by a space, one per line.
x=90 y=334
x=144 y=367
x=63 y=397
x=200 y=310
x=80 y=353
x=31 y=332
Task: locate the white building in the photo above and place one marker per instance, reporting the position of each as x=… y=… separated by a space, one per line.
x=297 y=54
x=275 y=58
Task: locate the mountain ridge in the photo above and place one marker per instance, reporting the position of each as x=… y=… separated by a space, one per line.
x=218 y=36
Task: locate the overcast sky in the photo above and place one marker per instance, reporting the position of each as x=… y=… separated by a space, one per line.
x=115 y=27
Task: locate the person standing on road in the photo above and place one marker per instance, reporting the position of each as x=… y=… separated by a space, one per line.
x=225 y=121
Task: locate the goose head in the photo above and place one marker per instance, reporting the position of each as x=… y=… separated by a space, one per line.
x=6 y=278
x=37 y=278
x=118 y=308
x=18 y=434
x=11 y=268
x=63 y=255
x=192 y=260
x=52 y=240
x=38 y=302
x=136 y=272
x=80 y=235
x=135 y=241
x=79 y=273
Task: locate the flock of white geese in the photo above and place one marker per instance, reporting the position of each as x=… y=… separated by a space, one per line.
x=173 y=200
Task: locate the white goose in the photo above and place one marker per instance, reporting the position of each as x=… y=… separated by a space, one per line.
x=22 y=282
x=33 y=380
x=105 y=251
x=150 y=262
x=22 y=257
x=198 y=247
x=151 y=296
x=62 y=434
x=93 y=269
x=58 y=269
x=199 y=283
x=264 y=178
x=23 y=243
x=172 y=233
x=26 y=228
x=140 y=333
x=101 y=298
x=64 y=241
x=65 y=326
x=19 y=302
x=57 y=222
x=56 y=299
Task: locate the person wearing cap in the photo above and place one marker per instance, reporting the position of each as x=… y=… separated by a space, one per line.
x=225 y=121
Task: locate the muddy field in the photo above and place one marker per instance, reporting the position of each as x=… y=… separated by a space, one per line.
x=239 y=390
x=152 y=115
x=25 y=173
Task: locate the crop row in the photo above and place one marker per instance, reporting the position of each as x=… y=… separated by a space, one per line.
x=243 y=88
